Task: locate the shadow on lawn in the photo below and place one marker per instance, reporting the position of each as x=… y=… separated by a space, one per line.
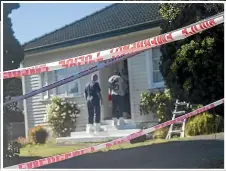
x=189 y=154
x=178 y=154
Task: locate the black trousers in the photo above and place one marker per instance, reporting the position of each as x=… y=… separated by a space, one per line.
x=93 y=110
x=117 y=106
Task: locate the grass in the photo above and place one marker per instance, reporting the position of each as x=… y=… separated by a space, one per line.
x=51 y=149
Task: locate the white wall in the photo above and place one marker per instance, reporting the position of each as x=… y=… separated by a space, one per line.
x=139 y=79
x=36 y=108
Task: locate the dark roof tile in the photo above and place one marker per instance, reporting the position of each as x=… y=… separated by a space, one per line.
x=111 y=18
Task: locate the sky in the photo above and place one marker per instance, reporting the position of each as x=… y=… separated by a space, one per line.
x=33 y=20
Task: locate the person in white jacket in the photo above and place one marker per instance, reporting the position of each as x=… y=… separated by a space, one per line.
x=117 y=86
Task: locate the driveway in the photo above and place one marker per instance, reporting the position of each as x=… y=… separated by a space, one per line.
x=199 y=152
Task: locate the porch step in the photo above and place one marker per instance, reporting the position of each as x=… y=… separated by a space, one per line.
x=81 y=137
x=109 y=121
x=103 y=133
x=107 y=125
x=121 y=127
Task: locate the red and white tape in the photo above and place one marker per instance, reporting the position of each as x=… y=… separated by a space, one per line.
x=115 y=53
x=61 y=157
x=118 y=51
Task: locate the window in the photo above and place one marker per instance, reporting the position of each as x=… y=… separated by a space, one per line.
x=69 y=89
x=157 y=76
x=44 y=82
x=59 y=75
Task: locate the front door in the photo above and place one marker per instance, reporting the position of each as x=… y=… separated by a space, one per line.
x=104 y=75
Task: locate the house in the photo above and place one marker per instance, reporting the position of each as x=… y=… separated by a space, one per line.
x=113 y=26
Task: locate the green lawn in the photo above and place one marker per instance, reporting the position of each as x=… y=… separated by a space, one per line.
x=51 y=149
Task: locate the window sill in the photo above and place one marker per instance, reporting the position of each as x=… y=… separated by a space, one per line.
x=159 y=85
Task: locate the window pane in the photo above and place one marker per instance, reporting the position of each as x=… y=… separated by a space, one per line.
x=50 y=81
x=155 y=64
x=72 y=86
x=156 y=53
x=157 y=76
x=44 y=82
x=71 y=71
x=60 y=74
x=44 y=79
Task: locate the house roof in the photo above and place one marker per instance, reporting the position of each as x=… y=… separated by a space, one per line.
x=116 y=19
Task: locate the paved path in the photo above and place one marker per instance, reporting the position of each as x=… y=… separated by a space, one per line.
x=200 y=152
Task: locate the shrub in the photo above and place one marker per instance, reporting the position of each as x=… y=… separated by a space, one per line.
x=61 y=116
x=38 y=135
x=161 y=133
x=6 y=136
x=13 y=150
x=203 y=124
x=160 y=104
x=23 y=141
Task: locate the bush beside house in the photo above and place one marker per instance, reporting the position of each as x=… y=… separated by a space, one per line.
x=204 y=123
x=38 y=135
x=161 y=104
x=11 y=149
x=61 y=116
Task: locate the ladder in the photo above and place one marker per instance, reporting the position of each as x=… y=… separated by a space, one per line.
x=178 y=112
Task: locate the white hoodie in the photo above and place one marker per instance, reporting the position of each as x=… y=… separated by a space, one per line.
x=117 y=85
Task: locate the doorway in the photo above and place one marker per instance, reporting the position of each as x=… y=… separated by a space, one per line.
x=104 y=75
x=125 y=74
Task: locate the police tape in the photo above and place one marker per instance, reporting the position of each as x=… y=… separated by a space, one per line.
x=97 y=67
x=119 y=51
x=111 y=56
x=125 y=52
x=65 y=156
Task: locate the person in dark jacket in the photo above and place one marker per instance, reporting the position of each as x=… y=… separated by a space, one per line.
x=93 y=99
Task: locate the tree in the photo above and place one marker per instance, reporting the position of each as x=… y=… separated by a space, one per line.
x=193 y=68
x=13 y=52
x=12 y=56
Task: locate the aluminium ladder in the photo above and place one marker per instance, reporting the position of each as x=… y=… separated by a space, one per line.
x=178 y=112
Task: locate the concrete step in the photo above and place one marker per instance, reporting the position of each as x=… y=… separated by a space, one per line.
x=107 y=125
x=109 y=121
x=104 y=133
x=81 y=137
x=121 y=127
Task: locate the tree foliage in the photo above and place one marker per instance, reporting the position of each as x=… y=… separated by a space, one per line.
x=193 y=68
x=13 y=52
x=12 y=56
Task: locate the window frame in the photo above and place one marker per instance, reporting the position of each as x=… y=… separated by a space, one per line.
x=150 y=71
x=46 y=95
